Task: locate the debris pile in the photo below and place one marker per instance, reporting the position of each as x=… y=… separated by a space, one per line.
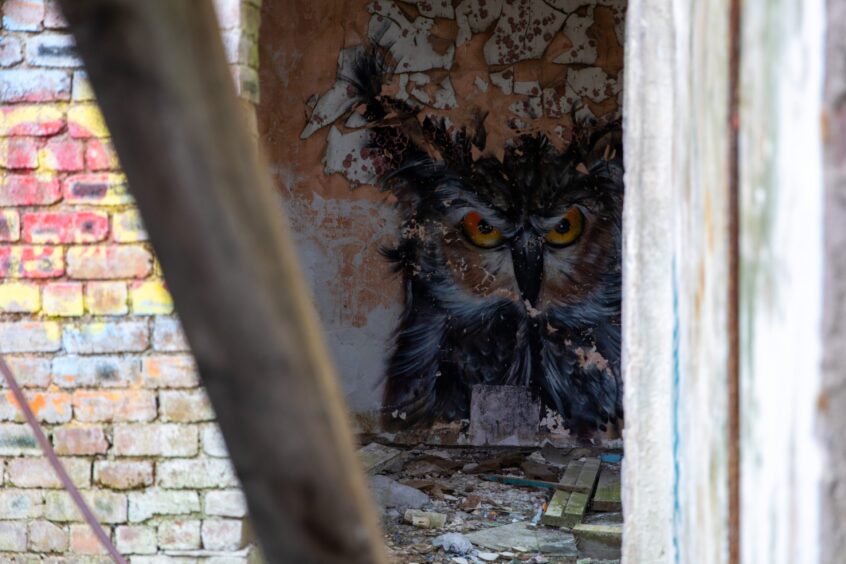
x=469 y=505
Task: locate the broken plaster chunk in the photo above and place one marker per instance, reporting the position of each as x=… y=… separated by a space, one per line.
x=583 y=50
x=434 y=8
x=407 y=41
x=524 y=31
x=346 y=154
x=425 y=519
x=475 y=16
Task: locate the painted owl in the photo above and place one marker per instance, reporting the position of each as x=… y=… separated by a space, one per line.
x=511 y=267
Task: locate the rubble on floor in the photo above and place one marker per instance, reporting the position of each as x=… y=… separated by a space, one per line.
x=470 y=505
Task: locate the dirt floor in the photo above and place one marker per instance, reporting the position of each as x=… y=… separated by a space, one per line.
x=474 y=519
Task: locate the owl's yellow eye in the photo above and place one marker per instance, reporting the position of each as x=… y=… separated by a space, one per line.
x=568 y=230
x=480 y=232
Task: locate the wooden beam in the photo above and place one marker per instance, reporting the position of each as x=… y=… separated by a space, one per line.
x=159 y=72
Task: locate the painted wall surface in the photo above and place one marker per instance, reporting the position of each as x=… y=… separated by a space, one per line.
x=529 y=67
x=88 y=327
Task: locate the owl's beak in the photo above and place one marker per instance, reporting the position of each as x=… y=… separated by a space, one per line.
x=527 y=255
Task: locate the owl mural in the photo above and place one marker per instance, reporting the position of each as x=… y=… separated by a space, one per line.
x=493 y=127
x=510 y=266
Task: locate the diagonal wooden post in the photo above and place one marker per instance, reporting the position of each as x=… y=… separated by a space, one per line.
x=159 y=72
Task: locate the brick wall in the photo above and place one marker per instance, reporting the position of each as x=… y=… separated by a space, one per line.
x=87 y=324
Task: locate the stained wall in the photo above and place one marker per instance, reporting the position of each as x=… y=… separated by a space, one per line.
x=532 y=65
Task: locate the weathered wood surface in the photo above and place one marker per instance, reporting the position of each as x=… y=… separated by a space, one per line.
x=160 y=76
x=607 y=496
x=566 y=509
x=781 y=279
x=675 y=272
x=832 y=399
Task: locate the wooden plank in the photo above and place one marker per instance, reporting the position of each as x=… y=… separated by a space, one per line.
x=527 y=483
x=577 y=505
x=566 y=509
x=675 y=269
x=554 y=514
x=607 y=496
x=159 y=71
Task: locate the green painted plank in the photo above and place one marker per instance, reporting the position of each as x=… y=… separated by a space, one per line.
x=607 y=496
x=525 y=482
x=554 y=515
x=577 y=505
x=566 y=509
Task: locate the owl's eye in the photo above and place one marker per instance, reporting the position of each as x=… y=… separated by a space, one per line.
x=480 y=232
x=568 y=229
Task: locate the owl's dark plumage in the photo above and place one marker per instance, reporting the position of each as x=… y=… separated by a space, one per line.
x=511 y=268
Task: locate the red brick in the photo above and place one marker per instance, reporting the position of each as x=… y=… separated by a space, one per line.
x=62 y=299
x=106 y=337
x=10 y=51
x=158 y=439
x=100 y=189
x=170 y=371
x=49 y=407
x=25 y=261
x=63 y=154
x=10 y=225
x=84 y=541
x=35 y=85
x=179 y=534
x=130 y=405
x=44 y=536
x=53 y=18
x=123 y=475
x=39 y=120
x=100 y=155
x=106 y=298
x=104 y=262
x=30 y=371
x=185 y=406
x=19 y=153
x=38 y=473
x=23 y=15
x=79 y=440
x=135 y=539
x=29 y=190
x=223 y=534
x=65 y=227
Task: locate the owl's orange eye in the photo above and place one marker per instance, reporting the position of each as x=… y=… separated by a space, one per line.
x=480 y=232
x=568 y=230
